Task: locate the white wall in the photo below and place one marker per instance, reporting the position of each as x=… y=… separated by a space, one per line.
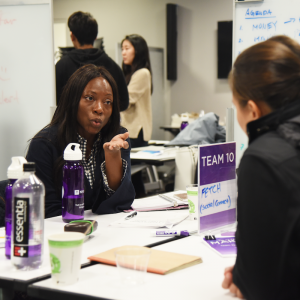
x=197 y=86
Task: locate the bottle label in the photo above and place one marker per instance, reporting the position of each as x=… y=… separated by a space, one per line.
x=21 y=226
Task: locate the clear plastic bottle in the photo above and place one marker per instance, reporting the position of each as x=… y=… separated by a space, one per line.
x=28 y=212
x=14 y=172
x=73 y=184
x=184 y=121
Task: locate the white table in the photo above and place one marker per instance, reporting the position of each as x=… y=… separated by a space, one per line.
x=202 y=281
x=150 y=162
x=105 y=238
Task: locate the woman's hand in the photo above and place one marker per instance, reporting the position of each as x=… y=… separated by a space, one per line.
x=117 y=142
x=113 y=160
x=228 y=283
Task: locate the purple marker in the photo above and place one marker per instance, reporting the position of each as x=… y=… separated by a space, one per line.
x=14 y=172
x=169 y=232
x=73 y=184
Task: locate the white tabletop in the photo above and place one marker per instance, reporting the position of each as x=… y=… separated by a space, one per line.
x=105 y=238
x=202 y=281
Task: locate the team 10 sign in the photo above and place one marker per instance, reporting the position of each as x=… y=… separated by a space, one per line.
x=217 y=186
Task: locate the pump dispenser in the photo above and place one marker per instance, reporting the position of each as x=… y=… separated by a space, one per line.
x=73 y=184
x=14 y=172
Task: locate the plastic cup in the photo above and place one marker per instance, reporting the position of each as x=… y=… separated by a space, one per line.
x=132 y=264
x=192 y=195
x=65 y=256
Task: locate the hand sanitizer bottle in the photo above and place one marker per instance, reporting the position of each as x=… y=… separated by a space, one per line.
x=14 y=172
x=73 y=184
x=184 y=121
x=28 y=212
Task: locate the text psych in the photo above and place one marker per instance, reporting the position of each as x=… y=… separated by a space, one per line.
x=215 y=203
x=213 y=189
x=211 y=160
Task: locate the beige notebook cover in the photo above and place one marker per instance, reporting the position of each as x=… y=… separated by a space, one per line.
x=160 y=262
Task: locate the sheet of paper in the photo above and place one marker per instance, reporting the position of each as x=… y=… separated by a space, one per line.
x=145 y=219
x=155 y=202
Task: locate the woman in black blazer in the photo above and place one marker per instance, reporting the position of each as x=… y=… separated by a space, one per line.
x=88 y=114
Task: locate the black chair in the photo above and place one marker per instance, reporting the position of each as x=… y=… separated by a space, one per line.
x=3 y=185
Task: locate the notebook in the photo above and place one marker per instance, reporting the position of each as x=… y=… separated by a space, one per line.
x=224 y=244
x=158 y=203
x=160 y=262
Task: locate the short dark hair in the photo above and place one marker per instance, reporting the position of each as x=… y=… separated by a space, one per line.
x=267 y=72
x=65 y=117
x=141 y=57
x=84 y=27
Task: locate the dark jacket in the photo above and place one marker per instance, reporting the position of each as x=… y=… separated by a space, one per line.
x=3 y=185
x=77 y=58
x=44 y=151
x=268 y=231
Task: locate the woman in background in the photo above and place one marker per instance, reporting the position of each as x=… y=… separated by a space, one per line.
x=87 y=114
x=137 y=70
x=265 y=81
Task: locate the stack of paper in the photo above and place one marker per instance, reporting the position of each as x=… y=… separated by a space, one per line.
x=158 y=203
x=152 y=220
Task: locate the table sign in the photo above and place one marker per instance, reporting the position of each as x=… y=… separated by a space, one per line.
x=217 y=191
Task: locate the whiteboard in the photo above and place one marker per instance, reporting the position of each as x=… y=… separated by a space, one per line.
x=27 y=85
x=157 y=97
x=255 y=22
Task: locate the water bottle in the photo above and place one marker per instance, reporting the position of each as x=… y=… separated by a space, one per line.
x=73 y=184
x=14 y=172
x=28 y=212
x=184 y=121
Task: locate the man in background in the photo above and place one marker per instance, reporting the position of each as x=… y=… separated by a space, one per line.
x=83 y=31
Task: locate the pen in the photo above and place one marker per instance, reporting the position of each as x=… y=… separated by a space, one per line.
x=169 y=199
x=171 y=232
x=130 y=216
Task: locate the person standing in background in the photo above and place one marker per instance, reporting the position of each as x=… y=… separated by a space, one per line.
x=137 y=70
x=83 y=31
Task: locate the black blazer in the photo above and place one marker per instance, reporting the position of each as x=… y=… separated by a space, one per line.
x=44 y=151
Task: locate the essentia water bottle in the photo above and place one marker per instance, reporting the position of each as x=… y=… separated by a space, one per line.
x=14 y=172
x=73 y=184
x=28 y=212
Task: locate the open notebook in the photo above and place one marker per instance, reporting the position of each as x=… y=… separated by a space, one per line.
x=158 y=203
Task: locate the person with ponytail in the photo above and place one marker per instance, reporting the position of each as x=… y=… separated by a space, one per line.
x=88 y=114
x=265 y=82
x=137 y=118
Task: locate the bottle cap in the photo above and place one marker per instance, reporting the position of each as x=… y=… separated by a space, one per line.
x=184 y=117
x=72 y=152
x=15 y=170
x=29 y=167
